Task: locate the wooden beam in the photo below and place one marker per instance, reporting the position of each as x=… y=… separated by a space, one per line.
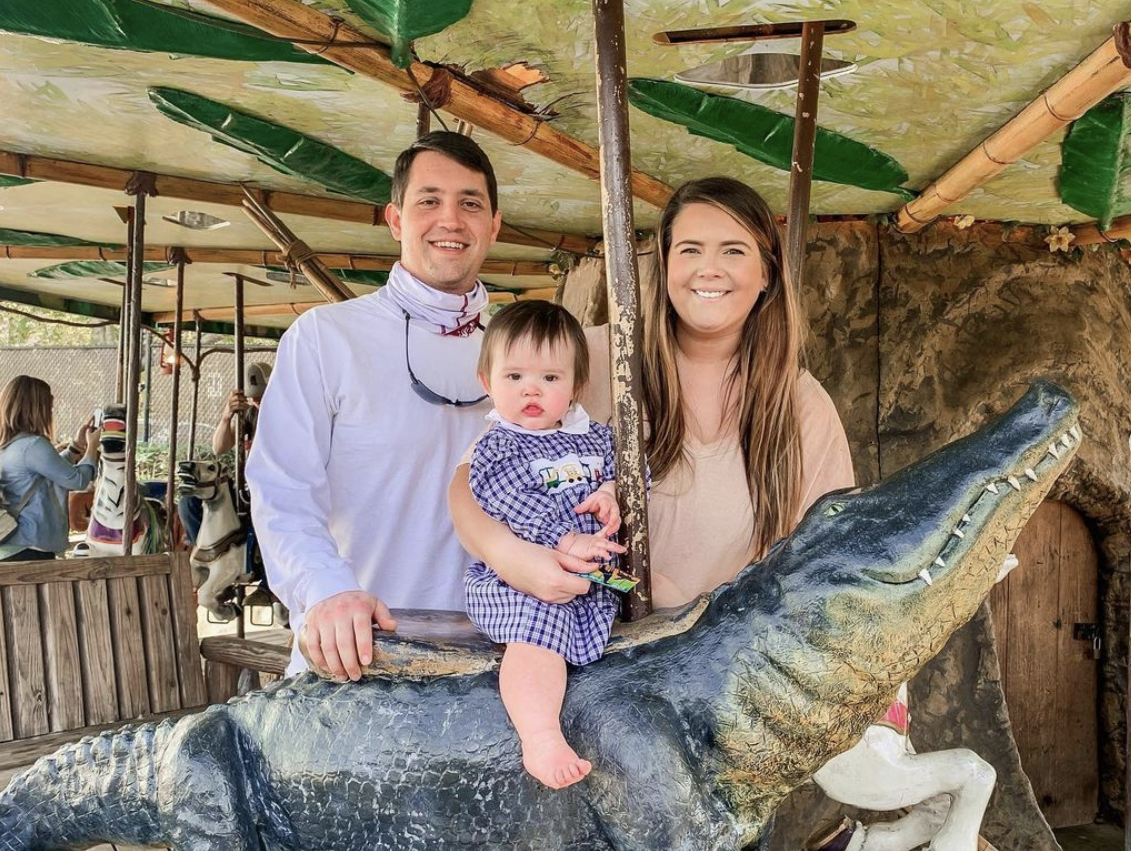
x=312 y=31
x=1090 y=234
x=295 y=308
x=251 y=257
x=231 y=195
x=1106 y=70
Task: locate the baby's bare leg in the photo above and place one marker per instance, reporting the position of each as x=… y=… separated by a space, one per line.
x=532 y=681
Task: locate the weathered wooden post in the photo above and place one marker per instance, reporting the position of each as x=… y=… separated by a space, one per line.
x=626 y=333
x=804 y=141
x=175 y=408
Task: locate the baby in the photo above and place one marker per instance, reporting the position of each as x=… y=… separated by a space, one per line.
x=545 y=470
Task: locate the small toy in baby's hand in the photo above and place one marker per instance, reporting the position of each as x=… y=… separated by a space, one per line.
x=612 y=577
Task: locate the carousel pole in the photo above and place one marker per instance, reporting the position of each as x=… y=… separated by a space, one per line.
x=139 y=187
x=195 y=387
x=624 y=295
x=241 y=460
x=175 y=411
x=804 y=140
x=124 y=314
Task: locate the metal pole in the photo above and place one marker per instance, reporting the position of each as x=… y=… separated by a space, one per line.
x=175 y=410
x=124 y=314
x=241 y=503
x=804 y=139
x=133 y=369
x=148 y=387
x=624 y=294
x=195 y=387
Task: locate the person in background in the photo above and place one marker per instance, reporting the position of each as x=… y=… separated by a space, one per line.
x=246 y=405
x=34 y=476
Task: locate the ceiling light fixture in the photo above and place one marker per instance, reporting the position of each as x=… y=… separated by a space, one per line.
x=195 y=220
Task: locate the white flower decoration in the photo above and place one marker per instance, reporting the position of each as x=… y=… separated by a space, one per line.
x=963 y=222
x=1060 y=239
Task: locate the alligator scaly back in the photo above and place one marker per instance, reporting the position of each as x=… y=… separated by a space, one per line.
x=103 y=785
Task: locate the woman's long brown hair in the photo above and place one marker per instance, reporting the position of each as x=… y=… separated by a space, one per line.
x=762 y=385
x=25 y=408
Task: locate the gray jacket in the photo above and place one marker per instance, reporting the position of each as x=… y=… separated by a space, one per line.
x=43 y=521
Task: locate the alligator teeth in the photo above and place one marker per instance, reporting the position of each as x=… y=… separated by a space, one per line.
x=939 y=562
x=965 y=518
x=1065 y=441
x=1030 y=474
x=1013 y=483
x=925 y=575
x=1053 y=451
x=958 y=533
x=991 y=487
x=1075 y=431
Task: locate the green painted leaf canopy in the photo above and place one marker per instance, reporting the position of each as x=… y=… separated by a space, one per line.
x=8 y=236
x=405 y=20
x=276 y=145
x=93 y=269
x=767 y=136
x=7 y=180
x=128 y=25
x=1096 y=161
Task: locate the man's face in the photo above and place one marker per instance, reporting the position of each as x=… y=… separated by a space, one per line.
x=445 y=226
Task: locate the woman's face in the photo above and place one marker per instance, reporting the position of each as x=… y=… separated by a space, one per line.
x=715 y=272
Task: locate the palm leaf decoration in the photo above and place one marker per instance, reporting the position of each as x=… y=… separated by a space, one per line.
x=129 y=25
x=405 y=20
x=28 y=237
x=7 y=180
x=1096 y=161
x=767 y=136
x=93 y=269
x=276 y=145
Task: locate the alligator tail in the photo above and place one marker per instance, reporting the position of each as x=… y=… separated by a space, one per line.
x=100 y=789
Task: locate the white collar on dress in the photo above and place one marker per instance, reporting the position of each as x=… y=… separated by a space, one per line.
x=575 y=421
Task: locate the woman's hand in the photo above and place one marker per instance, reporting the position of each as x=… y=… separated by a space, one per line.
x=83 y=435
x=541 y=572
x=92 y=437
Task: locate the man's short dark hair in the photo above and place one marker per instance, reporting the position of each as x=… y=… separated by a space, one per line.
x=454 y=146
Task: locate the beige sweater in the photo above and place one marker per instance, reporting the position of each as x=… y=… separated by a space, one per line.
x=700 y=518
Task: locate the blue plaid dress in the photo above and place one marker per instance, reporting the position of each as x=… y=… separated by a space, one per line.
x=532 y=482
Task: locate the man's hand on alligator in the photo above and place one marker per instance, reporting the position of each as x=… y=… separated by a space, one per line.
x=339 y=632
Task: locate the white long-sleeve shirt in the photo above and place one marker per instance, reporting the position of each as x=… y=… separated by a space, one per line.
x=349 y=470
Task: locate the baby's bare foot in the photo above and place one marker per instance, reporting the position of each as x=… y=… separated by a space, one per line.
x=550 y=760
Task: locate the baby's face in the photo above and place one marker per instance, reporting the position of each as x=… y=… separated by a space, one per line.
x=531 y=387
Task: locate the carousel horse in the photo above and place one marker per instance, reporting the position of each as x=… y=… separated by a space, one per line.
x=944 y=794
x=223 y=556
x=107 y=515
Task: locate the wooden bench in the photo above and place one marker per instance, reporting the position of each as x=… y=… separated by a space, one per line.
x=267 y=652
x=89 y=644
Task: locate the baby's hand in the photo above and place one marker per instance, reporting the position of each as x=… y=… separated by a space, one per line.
x=589 y=547
x=602 y=503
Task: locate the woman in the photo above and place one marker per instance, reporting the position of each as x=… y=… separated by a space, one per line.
x=741 y=440
x=33 y=474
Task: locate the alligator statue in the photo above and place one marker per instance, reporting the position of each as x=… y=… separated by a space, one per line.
x=694 y=738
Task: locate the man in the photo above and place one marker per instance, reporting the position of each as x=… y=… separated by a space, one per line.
x=371 y=404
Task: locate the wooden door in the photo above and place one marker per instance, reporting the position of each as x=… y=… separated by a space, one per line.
x=1049 y=672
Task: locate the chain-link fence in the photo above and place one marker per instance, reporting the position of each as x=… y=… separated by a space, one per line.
x=83 y=379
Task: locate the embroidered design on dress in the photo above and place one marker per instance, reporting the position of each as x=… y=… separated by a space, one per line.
x=569 y=471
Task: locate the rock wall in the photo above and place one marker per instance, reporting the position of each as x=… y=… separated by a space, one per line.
x=920 y=339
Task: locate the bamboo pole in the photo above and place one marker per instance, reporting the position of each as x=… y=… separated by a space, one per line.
x=622 y=273
x=1106 y=70
x=193 y=415
x=1090 y=234
x=232 y=195
x=297 y=254
x=253 y=257
x=804 y=141
x=124 y=318
x=238 y=340
x=226 y=313
x=298 y=23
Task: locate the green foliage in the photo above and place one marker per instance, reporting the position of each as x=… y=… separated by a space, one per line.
x=93 y=269
x=276 y=145
x=27 y=237
x=1095 y=161
x=7 y=180
x=128 y=25
x=767 y=136
x=16 y=330
x=405 y=20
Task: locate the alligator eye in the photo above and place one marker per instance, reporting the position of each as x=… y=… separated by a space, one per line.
x=833 y=509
